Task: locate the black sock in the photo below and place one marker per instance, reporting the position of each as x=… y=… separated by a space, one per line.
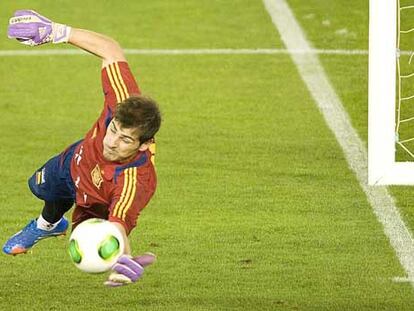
x=53 y=211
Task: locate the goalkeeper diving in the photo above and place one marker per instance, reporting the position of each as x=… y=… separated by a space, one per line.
x=108 y=174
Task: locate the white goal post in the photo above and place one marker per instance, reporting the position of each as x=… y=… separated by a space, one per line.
x=382 y=166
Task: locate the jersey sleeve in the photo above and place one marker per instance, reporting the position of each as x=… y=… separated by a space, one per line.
x=118 y=83
x=135 y=187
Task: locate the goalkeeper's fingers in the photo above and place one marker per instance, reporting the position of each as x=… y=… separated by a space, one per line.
x=116 y=279
x=113 y=284
x=145 y=259
x=28 y=16
x=21 y=31
x=28 y=42
x=24 y=12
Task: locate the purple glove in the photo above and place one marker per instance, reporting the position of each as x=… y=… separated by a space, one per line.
x=128 y=269
x=31 y=28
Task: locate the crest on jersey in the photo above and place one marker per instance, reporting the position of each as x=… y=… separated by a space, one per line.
x=97 y=176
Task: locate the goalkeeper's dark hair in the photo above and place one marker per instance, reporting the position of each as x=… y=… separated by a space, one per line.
x=140 y=112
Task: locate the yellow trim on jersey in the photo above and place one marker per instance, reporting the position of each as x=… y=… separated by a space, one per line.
x=121 y=80
x=117 y=82
x=95 y=131
x=152 y=150
x=132 y=196
x=111 y=80
x=38 y=178
x=128 y=193
x=117 y=79
x=131 y=187
x=124 y=191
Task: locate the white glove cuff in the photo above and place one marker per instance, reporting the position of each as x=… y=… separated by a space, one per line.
x=60 y=33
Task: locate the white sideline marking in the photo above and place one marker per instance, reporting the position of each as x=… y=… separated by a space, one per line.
x=399 y=279
x=338 y=121
x=4 y=53
x=47 y=52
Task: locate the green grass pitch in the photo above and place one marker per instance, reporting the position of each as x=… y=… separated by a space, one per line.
x=256 y=208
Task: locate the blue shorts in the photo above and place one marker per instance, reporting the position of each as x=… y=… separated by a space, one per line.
x=52 y=182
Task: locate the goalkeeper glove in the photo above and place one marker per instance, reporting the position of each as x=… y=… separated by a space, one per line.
x=31 y=28
x=129 y=269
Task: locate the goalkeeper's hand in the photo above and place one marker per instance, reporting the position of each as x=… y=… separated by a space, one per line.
x=31 y=28
x=129 y=269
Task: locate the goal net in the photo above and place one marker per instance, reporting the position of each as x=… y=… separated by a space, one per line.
x=404 y=128
x=391 y=93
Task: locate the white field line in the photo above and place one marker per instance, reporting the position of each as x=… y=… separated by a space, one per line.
x=338 y=121
x=40 y=52
x=399 y=279
x=47 y=52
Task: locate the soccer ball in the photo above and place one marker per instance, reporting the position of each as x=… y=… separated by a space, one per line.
x=95 y=245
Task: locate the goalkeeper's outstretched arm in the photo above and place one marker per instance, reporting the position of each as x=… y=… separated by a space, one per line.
x=103 y=46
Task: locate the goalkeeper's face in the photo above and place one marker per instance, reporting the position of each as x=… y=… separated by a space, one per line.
x=121 y=144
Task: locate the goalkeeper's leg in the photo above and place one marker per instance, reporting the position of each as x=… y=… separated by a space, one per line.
x=52 y=213
x=50 y=223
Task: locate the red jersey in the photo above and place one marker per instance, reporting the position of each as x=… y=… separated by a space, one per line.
x=111 y=190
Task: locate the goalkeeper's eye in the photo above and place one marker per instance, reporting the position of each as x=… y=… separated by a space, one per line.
x=113 y=127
